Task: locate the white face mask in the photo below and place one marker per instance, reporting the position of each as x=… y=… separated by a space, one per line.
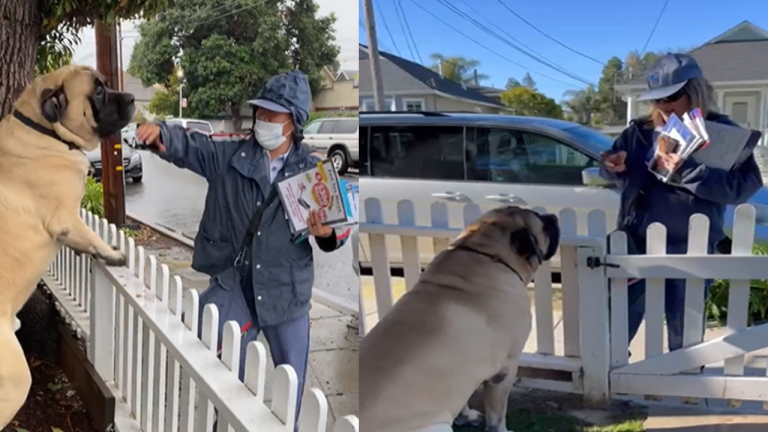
x=269 y=135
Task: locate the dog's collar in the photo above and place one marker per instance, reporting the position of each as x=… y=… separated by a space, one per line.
x=28 y=122
x=492 y=257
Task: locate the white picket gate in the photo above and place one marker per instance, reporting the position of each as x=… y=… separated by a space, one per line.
x=591 y=342
x=661 y=373
x=164 y=378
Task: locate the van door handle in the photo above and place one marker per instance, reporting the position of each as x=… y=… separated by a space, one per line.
x=507 y=199
x=450 y=196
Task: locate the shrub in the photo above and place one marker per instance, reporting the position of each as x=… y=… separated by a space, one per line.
x=716 y=305
x=93 y=199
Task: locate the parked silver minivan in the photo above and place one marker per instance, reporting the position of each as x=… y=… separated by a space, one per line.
x=336 y=137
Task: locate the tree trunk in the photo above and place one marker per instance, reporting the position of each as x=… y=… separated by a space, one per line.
x=19 y=38
x=237 y=120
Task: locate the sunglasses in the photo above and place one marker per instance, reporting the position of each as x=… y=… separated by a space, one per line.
x=674 y=97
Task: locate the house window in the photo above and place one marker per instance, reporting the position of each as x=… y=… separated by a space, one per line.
x=389 y=104
x=413 y=104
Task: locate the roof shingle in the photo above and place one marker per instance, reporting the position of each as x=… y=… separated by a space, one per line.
x=728 y=62
x=430 y=80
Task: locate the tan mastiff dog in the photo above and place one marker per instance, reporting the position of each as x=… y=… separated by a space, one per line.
x=463 y=325
x=42 y=180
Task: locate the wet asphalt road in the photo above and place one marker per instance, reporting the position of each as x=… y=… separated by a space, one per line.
x=174 y=198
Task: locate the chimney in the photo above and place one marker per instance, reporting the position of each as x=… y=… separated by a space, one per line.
x=440 y=67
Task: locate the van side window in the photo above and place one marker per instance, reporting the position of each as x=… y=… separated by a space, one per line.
x=327 y=126
x=345 y=127
x=364 y=169
x=417 y=152
x=513 y=156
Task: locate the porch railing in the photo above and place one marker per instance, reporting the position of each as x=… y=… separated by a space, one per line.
x=164 y=377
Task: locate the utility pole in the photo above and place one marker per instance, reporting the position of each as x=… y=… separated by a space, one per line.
x=111 y=147
x=373 y=55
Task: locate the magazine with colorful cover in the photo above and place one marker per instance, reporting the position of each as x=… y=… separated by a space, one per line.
x=316 y=189
x=351 y=197
x=713 y=144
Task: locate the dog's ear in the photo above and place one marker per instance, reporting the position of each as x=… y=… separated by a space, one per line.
x=552 y=231
x=53 y=103
x=526 y=245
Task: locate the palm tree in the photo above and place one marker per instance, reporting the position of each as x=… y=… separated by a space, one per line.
x=459 y=69
x=582 y=104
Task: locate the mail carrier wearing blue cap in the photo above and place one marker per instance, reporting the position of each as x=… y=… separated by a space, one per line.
x=676 y=84
x=260 y=278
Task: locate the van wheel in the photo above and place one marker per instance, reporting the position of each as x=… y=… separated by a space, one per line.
x=339 y=159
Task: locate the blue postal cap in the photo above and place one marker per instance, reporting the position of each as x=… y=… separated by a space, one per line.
x=268 y=104
x=669 y=74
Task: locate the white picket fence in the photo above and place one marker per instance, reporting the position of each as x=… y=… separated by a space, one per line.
x=588 y=336
x=164 y=378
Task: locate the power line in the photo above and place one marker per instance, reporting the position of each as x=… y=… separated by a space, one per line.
x=386 y=27
x=410 y=34
x=403 y=25
x=653 y=30
x=515 y=47
x=548 y=36
x=489 y=49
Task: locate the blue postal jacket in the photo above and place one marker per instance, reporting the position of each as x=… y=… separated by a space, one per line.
x=698 y=188
x=238 y=183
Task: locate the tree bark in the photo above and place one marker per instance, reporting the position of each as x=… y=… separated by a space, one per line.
x=237 y=120
x=19 y=38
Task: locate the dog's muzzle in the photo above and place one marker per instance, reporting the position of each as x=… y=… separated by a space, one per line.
x=114 y=113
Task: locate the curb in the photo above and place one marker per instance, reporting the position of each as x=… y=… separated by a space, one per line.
x=325 y=298
x=173 y=235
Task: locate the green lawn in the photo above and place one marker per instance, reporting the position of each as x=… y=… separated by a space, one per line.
x=527 y=420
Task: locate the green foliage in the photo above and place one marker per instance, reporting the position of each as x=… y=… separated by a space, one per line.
x=229 y=51
x=63 y=19
x=164 y=103
x=581 y=105
x=459 y=69
x=512 y=83
x=93 y=198
x=528 y=102
x=716 y=305
x=56 y=50
x=611 y=107
x=76 y=14
x=529 y=82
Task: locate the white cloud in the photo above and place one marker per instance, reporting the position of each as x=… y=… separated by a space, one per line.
x=346 y=35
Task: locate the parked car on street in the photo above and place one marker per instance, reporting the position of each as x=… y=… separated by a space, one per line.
x=489 y=160
x=128 y=134
x=193 y=124
x=337 y=138
x=133 y=168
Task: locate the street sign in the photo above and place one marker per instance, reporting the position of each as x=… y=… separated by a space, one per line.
x=184 y=102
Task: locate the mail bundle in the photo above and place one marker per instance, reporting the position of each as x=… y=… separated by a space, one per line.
x=713 y=144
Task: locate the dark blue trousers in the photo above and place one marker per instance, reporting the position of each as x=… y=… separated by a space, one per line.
x=288 y=341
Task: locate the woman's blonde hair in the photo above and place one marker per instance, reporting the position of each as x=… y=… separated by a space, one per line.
x=701 y=95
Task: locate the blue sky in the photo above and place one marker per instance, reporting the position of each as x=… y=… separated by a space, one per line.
x=596 y=28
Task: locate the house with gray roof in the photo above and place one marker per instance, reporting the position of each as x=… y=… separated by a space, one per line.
x=736 y=63
x=409 y=86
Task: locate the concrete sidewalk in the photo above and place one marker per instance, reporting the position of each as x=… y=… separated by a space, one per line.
x=333 y=357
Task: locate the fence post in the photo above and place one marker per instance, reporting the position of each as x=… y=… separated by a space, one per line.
x=595 y=331
x=101 y=352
